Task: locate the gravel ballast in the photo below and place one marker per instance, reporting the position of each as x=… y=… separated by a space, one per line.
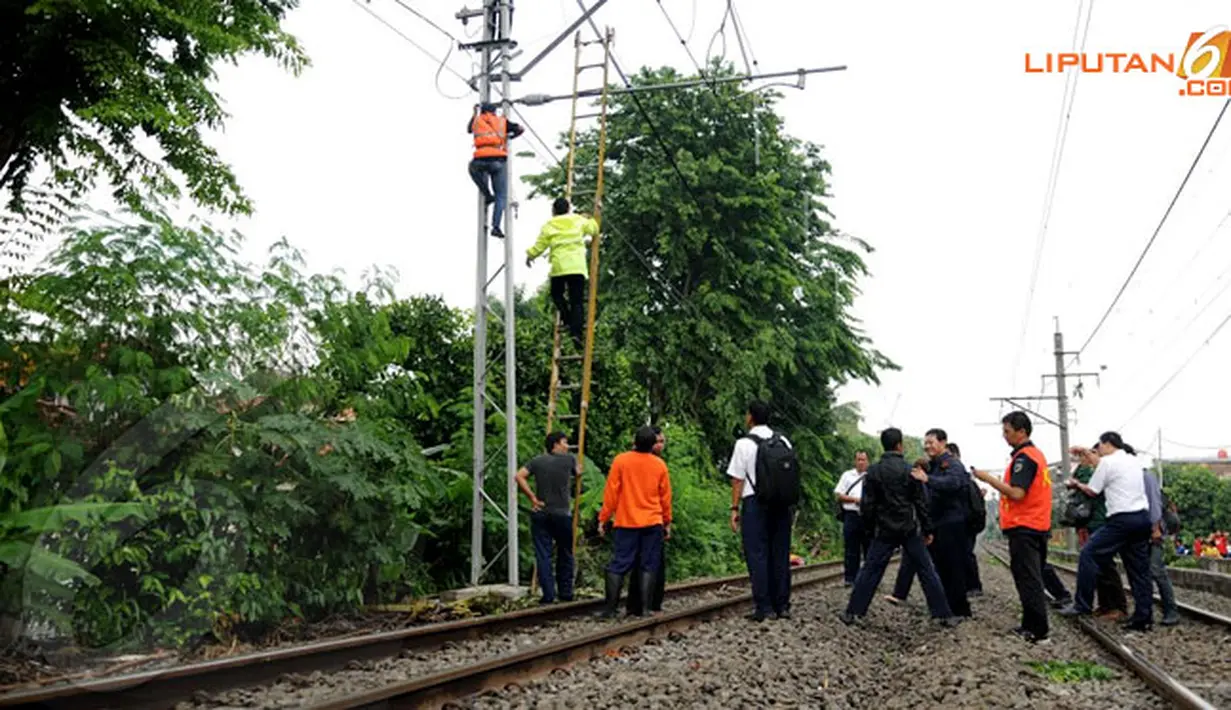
x=1197 y=653
x=296 y=691
x=895 y=658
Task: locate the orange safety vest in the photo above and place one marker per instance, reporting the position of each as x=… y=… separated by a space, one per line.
x=491 y=136
x=1033 y=511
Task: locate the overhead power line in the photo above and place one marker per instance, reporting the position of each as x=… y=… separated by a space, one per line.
x=1157 y=229
x=1194 y=446
x=1053 y=177
x=1178 y=371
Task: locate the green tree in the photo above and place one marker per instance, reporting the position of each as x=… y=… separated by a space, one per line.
x=729 y=283
x=83 y=84
x=1202 y=499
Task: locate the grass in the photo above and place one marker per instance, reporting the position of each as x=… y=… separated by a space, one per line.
x=1071 y=671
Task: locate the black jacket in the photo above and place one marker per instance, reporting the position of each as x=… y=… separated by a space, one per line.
x=948 y=490
x=893 y=504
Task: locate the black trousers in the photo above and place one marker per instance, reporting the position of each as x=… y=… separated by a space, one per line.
x=973 y=583
x=1027 y=555
x=572 y=307
x=950 y=553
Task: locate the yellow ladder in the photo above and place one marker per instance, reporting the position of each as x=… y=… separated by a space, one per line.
x=558 y=359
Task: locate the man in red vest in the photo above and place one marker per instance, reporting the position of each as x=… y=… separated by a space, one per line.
x=1025 y=519
x=492 y=133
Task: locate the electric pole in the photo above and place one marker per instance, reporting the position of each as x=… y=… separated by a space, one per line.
x=1062 y=405
x=495 y=50
x=1061 y=421
x=497 y=16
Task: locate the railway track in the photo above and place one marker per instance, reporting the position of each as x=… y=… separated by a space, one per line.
x=164 y=687
x=1167 y=685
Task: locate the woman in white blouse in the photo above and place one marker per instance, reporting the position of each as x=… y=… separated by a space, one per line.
x=1118 y=477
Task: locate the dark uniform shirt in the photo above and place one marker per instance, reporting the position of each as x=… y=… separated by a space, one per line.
x=947 y=489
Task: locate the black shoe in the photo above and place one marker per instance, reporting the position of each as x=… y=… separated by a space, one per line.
x=1072 y=611
x=489 y=199
x=848 y=618
x=757 y=616
x=950 y=622
x=1029 y=637
x=497 y=232
x=611 y=605
x=975 y=593
x=1061 y=603
x=784 y=615
x=1137 y=625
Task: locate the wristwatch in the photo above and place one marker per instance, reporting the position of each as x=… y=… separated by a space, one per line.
x=735 y=508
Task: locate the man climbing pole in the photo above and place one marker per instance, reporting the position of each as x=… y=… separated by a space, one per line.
x=565 y=235
x=492 y=133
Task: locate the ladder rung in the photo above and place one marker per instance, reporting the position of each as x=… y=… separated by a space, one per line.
x=588 y=115
x=584 y=67
x=562 y=417
x=572 y=357
x=573 y=386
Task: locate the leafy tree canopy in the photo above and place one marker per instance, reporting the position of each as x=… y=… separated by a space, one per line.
x=84 y=83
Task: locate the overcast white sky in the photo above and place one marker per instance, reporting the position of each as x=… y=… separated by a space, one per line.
x=941 y=146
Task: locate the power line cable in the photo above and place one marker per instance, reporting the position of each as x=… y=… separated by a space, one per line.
x=738 y=23
x=1157 y=229
x=1199 y=448
x=1057 y=158
x=1179 y=371
x=442 y=62
x=684 y=43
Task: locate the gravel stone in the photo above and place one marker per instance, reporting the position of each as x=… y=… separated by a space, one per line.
x=291 y=691
x=895 y=658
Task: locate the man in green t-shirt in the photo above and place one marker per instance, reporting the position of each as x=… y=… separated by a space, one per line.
x=1109 y=590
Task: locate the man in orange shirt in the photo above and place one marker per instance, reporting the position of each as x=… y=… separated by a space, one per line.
x=638 y=494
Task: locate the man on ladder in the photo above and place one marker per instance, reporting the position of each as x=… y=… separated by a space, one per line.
x=491 y=157
x=565 y=236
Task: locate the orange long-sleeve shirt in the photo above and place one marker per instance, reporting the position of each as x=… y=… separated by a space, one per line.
x=637 y=492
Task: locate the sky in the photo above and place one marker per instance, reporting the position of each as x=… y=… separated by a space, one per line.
x=941 y=146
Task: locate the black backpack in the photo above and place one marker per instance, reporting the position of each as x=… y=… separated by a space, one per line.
x=777 y=474
x=978 y=509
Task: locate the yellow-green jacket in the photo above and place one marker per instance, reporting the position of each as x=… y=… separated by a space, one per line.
x=565 y=236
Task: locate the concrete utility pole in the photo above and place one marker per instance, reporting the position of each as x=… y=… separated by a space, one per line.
x=1062 y=402
x=1061 y=421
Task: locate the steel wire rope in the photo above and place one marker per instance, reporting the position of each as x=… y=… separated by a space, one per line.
x=1124 y=286
x=1057 y=159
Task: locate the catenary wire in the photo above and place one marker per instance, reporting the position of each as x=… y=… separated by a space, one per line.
x=1162 y=388
x=1157 y=229
x=1057 y=159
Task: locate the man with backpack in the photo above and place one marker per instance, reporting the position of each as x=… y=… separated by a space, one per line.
x=765 y=488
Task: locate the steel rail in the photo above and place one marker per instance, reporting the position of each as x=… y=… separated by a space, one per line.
x=1163 y=682
x=1195 y=612
x=439 y=689
x=162 y=688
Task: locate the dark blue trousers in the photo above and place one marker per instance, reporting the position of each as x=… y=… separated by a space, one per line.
x=633 y=543
x=873 y=570
x=856 y=543
x=767 y=550
x=1128 y=534
x=548 y=529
